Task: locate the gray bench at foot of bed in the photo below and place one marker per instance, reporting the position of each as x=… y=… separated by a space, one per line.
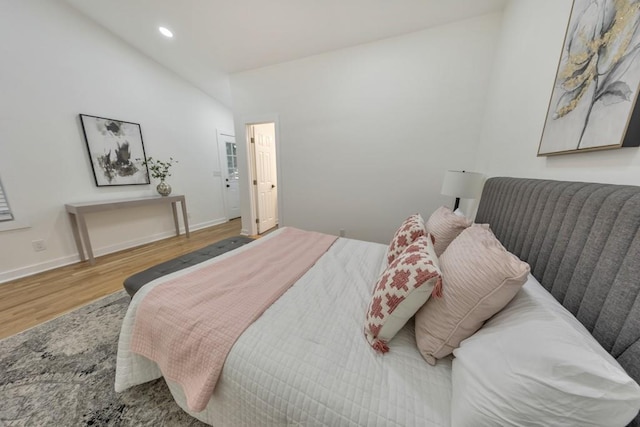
x=133 y=283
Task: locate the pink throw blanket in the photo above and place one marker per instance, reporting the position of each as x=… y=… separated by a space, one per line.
x=189 y=324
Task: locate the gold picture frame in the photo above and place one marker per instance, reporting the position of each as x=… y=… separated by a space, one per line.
x=593 y=102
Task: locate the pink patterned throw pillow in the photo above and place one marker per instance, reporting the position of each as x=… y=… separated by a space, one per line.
x=402 y=289
x=412 y=228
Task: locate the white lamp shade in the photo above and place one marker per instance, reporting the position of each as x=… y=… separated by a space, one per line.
x=465 y=185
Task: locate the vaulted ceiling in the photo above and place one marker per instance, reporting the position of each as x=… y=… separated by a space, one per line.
x=213 y=38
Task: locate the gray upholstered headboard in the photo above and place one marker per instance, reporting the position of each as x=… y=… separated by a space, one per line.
x=582 y=241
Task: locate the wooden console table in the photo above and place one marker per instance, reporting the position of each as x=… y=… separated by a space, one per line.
x=77 y=212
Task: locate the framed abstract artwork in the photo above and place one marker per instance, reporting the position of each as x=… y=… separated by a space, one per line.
x=116 y=151
x=593 y=102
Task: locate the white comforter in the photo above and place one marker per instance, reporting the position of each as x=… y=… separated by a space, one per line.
x=305 y=361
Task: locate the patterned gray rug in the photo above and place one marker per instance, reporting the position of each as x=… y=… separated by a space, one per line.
x=61 y=373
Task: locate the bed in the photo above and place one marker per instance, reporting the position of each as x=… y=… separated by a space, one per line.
x=305 y=361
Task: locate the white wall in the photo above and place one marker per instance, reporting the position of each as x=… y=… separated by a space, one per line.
x=525 y=69
x=56 y=64
x=366 y=133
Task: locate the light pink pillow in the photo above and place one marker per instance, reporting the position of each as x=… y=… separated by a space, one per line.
x=401 y=290
x=409 y=231
x=479 y=278
x=445 y=226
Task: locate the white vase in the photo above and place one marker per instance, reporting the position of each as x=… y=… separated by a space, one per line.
x=163 y=188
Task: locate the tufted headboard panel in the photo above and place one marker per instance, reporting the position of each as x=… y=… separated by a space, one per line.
x=582 y=241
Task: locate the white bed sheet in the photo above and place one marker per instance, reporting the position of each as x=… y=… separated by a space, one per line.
x=305 y=361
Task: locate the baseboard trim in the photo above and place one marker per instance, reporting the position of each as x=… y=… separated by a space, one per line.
x=41 y=267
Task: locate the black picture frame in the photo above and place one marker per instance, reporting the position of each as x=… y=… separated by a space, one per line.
x=116 y=151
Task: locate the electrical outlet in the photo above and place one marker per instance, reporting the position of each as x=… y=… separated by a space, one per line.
x=342 y=232
x=39 y=245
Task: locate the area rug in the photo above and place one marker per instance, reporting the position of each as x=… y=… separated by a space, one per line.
x=61 y=373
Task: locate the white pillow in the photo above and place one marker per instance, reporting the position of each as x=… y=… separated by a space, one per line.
x=535 y=364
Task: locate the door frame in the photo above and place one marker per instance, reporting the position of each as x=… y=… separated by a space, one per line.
x=224 y=170
x=249 y=174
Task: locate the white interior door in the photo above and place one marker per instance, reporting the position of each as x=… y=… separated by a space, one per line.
x=230 y=175
x=266 y=177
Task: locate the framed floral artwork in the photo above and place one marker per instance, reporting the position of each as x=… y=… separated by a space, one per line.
x=116 y=151
x=593 y=102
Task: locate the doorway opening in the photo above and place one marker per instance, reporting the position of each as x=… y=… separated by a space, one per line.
x=263 y=175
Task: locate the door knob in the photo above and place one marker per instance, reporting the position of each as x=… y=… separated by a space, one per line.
x=228 y=186
x=273 y=186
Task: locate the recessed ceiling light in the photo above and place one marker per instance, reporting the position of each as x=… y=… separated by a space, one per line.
x=165 y=32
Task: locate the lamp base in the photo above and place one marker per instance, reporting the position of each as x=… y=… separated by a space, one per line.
x=455 y=206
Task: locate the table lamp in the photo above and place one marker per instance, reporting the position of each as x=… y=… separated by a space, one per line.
x=462 y=185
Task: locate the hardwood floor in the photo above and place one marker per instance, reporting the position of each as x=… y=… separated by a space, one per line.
x=32 y=300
